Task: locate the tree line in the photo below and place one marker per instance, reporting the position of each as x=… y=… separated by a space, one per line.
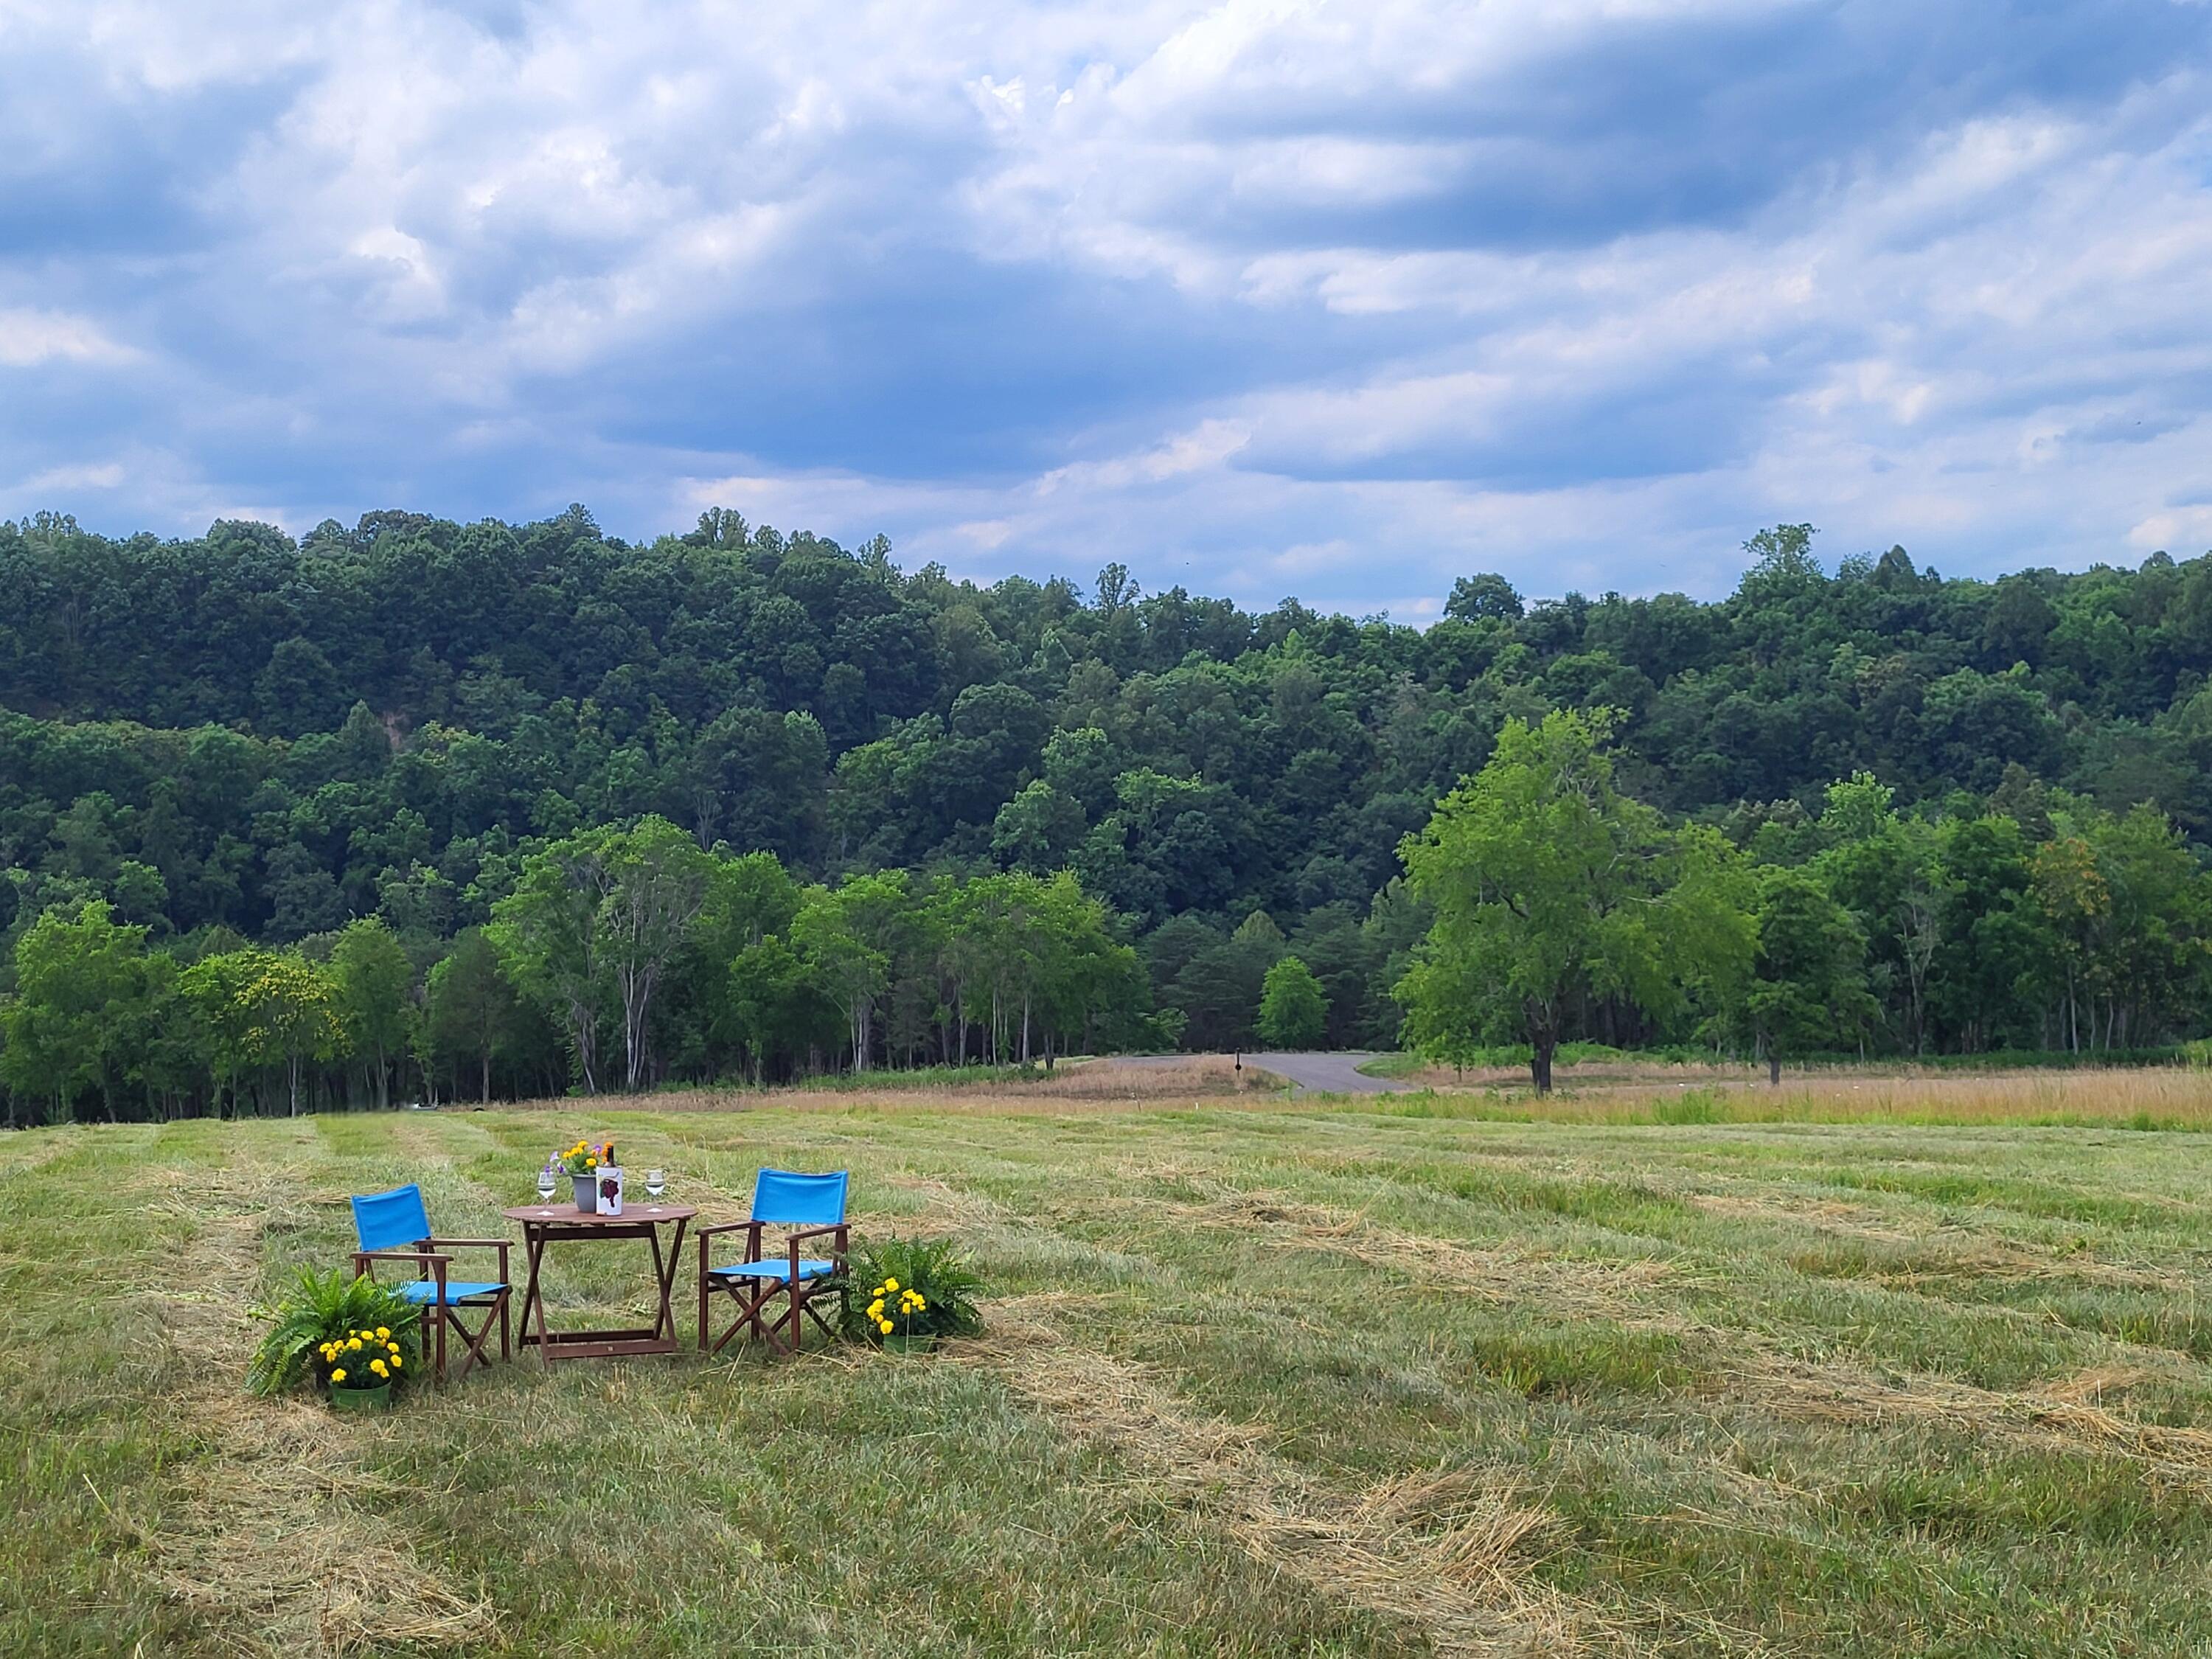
x=246 y=741
x=1564 y=908
x=622 y=954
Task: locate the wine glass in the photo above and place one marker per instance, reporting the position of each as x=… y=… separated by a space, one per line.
x=545 y=1184
x=656 y=1181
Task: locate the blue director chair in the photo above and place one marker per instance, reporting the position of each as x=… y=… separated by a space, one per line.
x=811 y=1206
x=394 y=1226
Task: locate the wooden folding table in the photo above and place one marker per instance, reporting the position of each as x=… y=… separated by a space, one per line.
x=544 y=1224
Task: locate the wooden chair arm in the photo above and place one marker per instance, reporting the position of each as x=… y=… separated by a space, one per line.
x=790 y=1241
x=723 y=1227
x=501 y=1245
x=433 y=1264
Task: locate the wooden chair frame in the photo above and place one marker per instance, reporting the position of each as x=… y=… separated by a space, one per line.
x=753 y=1294
x=431 y=1263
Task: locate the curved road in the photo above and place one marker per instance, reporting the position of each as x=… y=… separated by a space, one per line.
x=1329 y=1073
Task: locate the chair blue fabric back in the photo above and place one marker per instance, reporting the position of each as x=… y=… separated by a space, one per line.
x=799 y=1200
x=396 y=1220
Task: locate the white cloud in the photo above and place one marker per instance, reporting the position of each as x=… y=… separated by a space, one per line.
x=1355 y=295
x=108 y=474
x=30 y=337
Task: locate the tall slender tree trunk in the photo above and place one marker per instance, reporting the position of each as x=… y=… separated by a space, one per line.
x=582 y=1021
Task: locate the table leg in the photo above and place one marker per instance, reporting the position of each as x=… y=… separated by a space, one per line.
x=534 y=1304
x=664 y=1279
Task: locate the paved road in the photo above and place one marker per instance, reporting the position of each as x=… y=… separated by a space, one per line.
x=1336 y=1074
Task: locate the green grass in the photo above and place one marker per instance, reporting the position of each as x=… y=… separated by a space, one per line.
x=1331 y=1381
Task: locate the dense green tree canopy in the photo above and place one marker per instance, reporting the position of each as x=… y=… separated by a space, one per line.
x=244 y=741
x=1554 y=895
x=1293 y=1006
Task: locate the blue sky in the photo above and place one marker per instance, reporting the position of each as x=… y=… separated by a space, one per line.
x=1270 y=297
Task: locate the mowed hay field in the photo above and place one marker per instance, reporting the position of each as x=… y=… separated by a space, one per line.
x=1261 y=1378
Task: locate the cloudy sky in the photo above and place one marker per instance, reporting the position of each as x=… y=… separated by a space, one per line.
x=1337 y=298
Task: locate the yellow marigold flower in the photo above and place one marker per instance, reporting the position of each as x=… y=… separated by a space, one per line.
x=338 y=1376
x=395 y=1359
x=380 y=1368
x=353 y=1342
x=891 y=1284
x=885 y=1326
x=383 y=1333
x=591 y=1163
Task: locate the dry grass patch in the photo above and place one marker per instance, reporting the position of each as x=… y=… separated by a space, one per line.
x=2060 y=1417
x=1827 y=1215
x=1638 y=1091
x=1751 y=1369
x=1900 y=1259
x=1608 y=1288
x=1450 y=1551
x=1083 y=1086
x=279 y=1541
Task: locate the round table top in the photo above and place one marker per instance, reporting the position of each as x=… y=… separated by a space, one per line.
x=568 y=1215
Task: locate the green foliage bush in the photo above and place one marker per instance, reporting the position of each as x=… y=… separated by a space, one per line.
x=322 y=1308
x=938 y=1269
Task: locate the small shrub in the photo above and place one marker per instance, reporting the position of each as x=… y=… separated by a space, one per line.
x=318 y=1332
x=915 y=1287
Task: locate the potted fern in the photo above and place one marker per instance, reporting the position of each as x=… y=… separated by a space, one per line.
x=916 y=1291
x=354 y=1337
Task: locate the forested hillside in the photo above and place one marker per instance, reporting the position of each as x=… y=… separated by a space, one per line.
x=242 y=744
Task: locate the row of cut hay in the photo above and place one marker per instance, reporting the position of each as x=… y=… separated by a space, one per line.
x=280 y=1542
x=1948 y=1254
x=1450 y=1551
x=1752 y=1371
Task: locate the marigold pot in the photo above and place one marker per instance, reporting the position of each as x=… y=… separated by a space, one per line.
x=377 y=1399
x=587 y=1192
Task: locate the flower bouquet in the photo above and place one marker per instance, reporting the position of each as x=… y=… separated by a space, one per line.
x=581 y=1163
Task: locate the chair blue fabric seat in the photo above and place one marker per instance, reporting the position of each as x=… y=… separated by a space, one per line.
x=809 y=1268
x=456 y=1289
